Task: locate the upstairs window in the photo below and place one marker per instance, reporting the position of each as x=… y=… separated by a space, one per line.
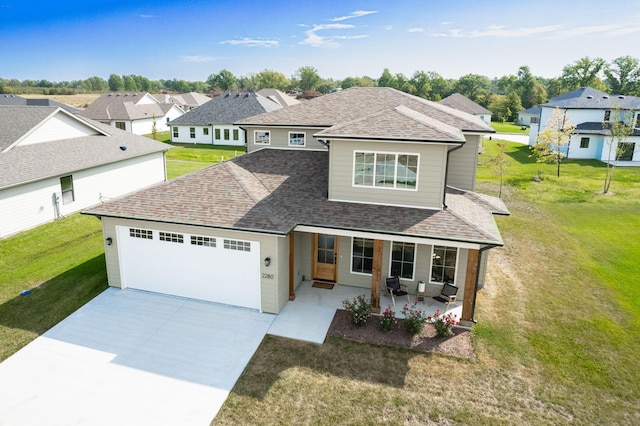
x=262 y=137
x=296 y=139
x=385 y=170
x=66 y=186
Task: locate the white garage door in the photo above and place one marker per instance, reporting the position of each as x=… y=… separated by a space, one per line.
x=222 y=270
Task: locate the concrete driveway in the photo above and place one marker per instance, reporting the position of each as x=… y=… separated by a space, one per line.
x=131 y=358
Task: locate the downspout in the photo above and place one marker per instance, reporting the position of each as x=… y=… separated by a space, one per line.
x=475 y=291
x=446 y=176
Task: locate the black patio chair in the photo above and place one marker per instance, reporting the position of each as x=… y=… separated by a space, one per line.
x=448 y=295
x=394 y=288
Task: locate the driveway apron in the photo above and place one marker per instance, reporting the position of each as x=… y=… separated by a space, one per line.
x=131 y=358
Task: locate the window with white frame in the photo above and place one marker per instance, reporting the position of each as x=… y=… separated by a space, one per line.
x=262 y=137
x=192 y=132
x=607 y=115
x=175 y=132
x=584 y=143
x=296 y=139
x=121 y=125
x=236 y=135
x=362 y=255
x=403 y=260
x=443 y=264
x=226 y=134
x=385 y=170
x=205 y=131
x=217 y=134
x=66 y=186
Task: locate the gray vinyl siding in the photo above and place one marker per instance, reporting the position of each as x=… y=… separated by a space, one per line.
x=431 y=172
x=280 y=138
x=463 y=163
x=303 y=251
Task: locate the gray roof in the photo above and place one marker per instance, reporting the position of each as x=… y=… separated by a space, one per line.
x=465 y=104
x=279 y=97
x=357 y=102
x=536 y=110
x=227 y=109
x=27 y=163
x=598 y=128
x=590 y=98
x=191 y=99
x=15 y=100
x=122 y=106
x=272 y=191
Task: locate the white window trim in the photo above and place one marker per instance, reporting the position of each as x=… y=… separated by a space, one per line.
x=255 y=137
x=304 y=138
x=415 y=257
x=365 y=274
x=455 y=278
x=395 y=177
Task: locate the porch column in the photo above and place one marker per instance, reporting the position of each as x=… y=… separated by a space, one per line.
x=292 y=238
x=468 y=298
x=376 y=275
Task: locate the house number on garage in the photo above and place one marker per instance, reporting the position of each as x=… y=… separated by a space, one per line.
x=267 y=276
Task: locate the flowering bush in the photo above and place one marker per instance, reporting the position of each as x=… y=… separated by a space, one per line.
x=443 y=323
x=387 y=319
x=414 y=319
x=359 y=309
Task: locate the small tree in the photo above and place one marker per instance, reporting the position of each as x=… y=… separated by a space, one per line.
x=499 y=164
x=552 y=141
x=154 y=128
x=619 y=132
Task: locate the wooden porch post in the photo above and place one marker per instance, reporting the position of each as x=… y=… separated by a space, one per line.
x=292 y=293
x=468 y=298
x=376 y=275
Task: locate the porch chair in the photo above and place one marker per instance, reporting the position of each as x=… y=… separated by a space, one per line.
x=394 y=288
x=448 y=295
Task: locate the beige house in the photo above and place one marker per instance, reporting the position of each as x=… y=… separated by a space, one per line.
x=351 y=187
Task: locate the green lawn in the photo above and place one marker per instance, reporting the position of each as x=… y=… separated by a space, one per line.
x=509 y=128
x=186 y=158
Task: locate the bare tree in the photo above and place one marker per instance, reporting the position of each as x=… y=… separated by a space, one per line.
x=619 y=132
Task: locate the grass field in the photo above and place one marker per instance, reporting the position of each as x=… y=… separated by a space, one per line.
x=509 y=128
x=186 y=158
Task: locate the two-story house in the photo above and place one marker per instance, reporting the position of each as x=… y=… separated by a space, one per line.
x=351 y=187
x=592 y=111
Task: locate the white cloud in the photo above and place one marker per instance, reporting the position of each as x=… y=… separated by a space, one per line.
x=252 y=42
x=356 y=14
x=146 y=16
x=387 y=27
x=315 y=40
x=415 y=30
x=198 y=58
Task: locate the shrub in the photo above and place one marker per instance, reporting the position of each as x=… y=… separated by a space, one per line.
x=443 y=323
x=387 y=319
x=414 y=319
x=359 y=309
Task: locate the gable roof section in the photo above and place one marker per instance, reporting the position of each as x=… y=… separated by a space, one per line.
x=269 y=191
x=279 y=97
x=461 y=102
x=15 y=100
x=598 y=128
x=357 y=102
x=590 y=98
x=227 y=109
x=124 y=106
x=400 y=123
x=27 y=163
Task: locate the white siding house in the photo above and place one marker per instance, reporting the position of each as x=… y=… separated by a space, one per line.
x=54 y=163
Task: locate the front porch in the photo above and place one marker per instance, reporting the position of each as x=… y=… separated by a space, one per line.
x=309 y=316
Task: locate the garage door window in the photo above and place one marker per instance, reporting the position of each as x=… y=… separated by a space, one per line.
x=141 y=233
x=237 y=245
x=198 y=240
x=171 y=238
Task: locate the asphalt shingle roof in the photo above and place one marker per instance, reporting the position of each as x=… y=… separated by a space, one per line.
x=598 y=128
x=227 y=109
x=27 y=163
x=279 y=97
x=461 y=102
x=273 y=191
x=357 y=102
x=590 y=98
x=15 y=100
x=122 y=106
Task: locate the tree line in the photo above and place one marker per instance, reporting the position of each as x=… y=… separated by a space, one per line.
x=503 y=96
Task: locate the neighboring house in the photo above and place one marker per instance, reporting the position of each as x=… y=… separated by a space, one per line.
x=15 y=100
x=212 y=123
x=278 y=97
x=54 y=163
x=186 y=101
x=133 y=112
x=529 y=116
x=591 y=111
x=350 y=187
x=465 y=104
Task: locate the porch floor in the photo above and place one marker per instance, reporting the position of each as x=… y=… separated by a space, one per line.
x=309 y=316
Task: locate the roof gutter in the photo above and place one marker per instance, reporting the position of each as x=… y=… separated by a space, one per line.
x=446 y=175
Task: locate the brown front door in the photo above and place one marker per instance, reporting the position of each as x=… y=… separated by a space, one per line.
x=325 y=255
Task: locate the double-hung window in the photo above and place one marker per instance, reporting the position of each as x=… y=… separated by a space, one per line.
x=385 y=170
x=66 y=186
x=403 y=260
x=205 y=131
x=192 y=132
x=175 y=132
x=443 y=264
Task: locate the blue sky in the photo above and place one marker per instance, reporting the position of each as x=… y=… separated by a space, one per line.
x=191 y=39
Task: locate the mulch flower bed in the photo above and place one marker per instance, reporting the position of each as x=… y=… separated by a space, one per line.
x=427 y=341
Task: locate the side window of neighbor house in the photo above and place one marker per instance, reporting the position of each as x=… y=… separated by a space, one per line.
x=443 y=264
x=638 y=121
x=175 y=132
x=262 y=137
x=236 y=135
x=205 y=131
x=121 y=125
x=226 y=134
x=584 y=143
x=362 y=256
x=66 y=186
x=296 y=139
x=192 y=132
x=607 y=115
x=216 y=133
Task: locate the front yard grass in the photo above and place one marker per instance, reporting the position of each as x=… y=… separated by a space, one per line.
x=186 y=158
x=509 y=128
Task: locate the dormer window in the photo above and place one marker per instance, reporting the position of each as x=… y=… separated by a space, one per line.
x=385 y=170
